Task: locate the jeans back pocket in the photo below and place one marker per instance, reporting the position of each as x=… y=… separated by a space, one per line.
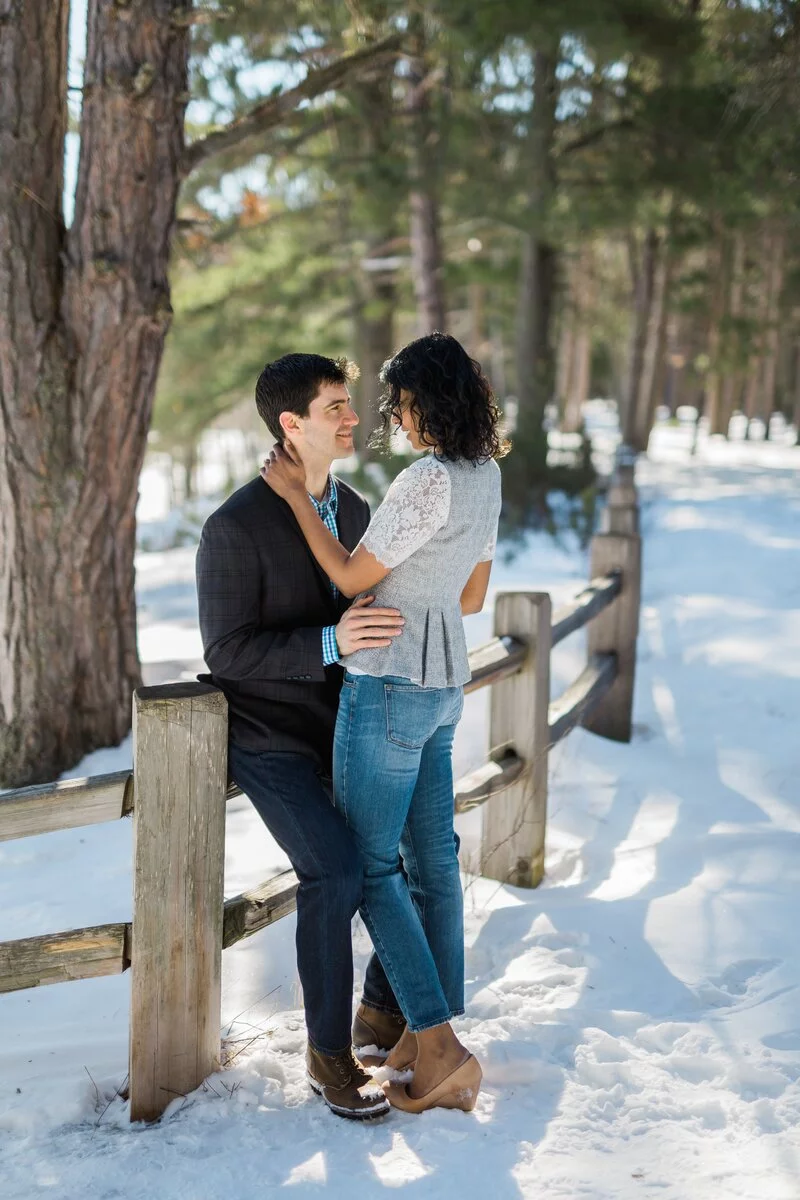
x=412 y=714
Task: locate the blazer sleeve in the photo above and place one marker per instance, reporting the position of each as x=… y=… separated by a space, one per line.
x=236 y=644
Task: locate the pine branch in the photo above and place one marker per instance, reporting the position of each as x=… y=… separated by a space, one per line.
x=594 y=135
x=277 y=109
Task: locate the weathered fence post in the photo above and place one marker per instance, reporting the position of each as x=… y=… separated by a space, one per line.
x=512 y=843
x=615 y=630
x=621 y=513
x=180 y=752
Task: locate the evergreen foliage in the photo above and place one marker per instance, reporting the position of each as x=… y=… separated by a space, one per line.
x=642 y=193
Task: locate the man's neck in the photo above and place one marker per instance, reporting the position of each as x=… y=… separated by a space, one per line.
x=317 y=473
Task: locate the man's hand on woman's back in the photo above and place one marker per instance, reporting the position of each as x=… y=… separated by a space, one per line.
x=366 y=628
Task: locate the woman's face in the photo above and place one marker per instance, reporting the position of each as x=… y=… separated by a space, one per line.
x=409 y=421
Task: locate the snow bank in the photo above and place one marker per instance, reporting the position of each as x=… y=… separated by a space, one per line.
x=637 y=1015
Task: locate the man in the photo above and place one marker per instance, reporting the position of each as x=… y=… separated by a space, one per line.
x=273 y=628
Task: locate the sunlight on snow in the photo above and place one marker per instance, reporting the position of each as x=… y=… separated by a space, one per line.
x=635 y=859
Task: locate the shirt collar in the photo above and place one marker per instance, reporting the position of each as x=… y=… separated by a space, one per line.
x=331 y=497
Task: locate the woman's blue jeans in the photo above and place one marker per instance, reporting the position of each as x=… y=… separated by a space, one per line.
x=393 y=783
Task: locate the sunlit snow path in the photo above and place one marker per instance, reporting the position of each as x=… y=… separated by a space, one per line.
x=638 y=1016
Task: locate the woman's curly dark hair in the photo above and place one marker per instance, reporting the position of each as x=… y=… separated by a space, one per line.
x=452 y=399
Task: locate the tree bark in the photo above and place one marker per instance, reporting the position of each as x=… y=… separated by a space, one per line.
x=84 y=315
x=655 y=366
x=375 y=285
x=374 y=329
x=535 y=356
x=756 y=363
x=772 y=334
x=565 y=356
x=426 y=249
x=643 y=270
x=577 y=392
x=719 y=261
x=83 y=318
x=732 y=376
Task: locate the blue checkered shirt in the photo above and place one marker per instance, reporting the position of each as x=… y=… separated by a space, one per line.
x=328 y=510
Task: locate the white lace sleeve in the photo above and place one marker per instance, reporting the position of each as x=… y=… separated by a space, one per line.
x=414 y=508
x=490 y=548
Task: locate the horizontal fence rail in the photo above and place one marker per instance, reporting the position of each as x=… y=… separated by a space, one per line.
x=58 y=957
x=586 y=605
x=181 y=924
x=578 y=701
x=68 y=804
x=73 y=803
x=106 y=949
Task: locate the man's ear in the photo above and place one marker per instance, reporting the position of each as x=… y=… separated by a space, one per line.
x=289 y=423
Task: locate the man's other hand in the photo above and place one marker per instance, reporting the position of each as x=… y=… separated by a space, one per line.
x=366 y=628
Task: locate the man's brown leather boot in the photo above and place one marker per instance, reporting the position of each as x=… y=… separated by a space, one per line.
x=373 y=1027
x=345 y=1086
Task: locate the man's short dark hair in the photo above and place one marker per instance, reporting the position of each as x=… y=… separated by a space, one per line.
x=289 y=384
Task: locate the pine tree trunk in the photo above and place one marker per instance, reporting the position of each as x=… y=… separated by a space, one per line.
x=535 y=357
x=732 y=380
x=189 y=468
x=772 y=333
x=477 y=319
x=644 y=273
x=375 y=342
x=755 y=367
x=577 y=392
x=83 y=317
x=497 y=356
x=654 y=370
x=565 y=359
x=426 y=250
x=375 y=287
x=719 y=297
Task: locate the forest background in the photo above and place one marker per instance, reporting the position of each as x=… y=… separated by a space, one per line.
x=599 y=197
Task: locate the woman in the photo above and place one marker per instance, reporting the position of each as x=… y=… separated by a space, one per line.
x=427 y=552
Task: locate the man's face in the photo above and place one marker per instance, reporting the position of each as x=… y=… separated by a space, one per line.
x=327 y=431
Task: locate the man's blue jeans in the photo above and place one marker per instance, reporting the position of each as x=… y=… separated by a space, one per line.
x=294 y=801
x=393 y=782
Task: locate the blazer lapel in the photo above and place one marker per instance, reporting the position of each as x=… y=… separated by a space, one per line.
x=324 y=581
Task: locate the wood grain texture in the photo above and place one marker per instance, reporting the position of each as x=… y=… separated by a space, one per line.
x=84 y=311
x=584 y=607
x=71 y=803
x=259 y=907
x=495 y=660
x=615 y=631
x=68 y=804
x=180 y=769
x=512 y=843
x=579 y=700
x=59 y=957
x=486 y=781
x=106 y=949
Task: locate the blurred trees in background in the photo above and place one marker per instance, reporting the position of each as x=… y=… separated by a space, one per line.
x=599 y=197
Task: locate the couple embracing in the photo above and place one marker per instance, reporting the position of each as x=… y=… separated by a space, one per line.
x=338 y=641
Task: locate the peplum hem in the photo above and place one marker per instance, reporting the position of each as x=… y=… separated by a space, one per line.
x=431 y=651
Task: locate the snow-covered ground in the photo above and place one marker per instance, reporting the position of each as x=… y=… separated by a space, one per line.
x=637 y=1016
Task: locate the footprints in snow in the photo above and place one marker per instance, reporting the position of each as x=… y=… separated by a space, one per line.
x=740 y=981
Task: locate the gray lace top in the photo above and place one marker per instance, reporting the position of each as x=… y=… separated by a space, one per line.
x=437 y=521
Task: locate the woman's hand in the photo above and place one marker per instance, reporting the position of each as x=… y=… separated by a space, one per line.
x=284 y=472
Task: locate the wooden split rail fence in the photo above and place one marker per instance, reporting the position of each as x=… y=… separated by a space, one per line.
x=178 y=788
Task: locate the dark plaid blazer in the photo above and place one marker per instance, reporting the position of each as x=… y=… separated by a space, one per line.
x=263 y=604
